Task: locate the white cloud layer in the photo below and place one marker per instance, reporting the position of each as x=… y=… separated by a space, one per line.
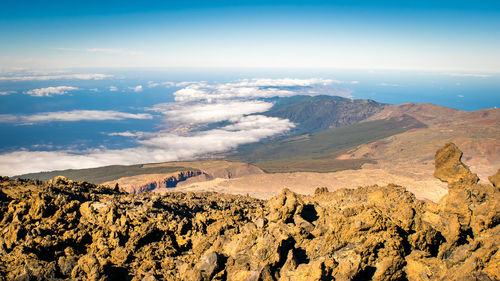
x=209 y=92
x=283 y=82
x=210 y=112
x=152 y=84
x=136 y=89
x=71 y=116
x=161 y=147
x=91 y=76
x=113 y=88
x=5 y=93
x=50 y=91
x=127 y=134
x=168 y=84
x=183 y=136
x=258 y=88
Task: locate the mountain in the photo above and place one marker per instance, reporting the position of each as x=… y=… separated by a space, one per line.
x=66 y=230
x=311 y=114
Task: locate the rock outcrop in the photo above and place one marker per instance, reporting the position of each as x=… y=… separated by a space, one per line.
x=449 y=166
x=64 y=230
x=495 y=179
x=161 y=181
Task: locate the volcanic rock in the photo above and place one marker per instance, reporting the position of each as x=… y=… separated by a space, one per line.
x=495 y=179
x=449 y=167
x=65 y=230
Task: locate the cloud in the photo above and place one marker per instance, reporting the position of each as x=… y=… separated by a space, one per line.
x=258 y=88
x=152 y=84
x=5 y=93
x=282 y=82
x=113 y=88
x=245 y=130
x=161 y=147
x=103 y=50
x=50 y=91
x=209 y=92
x=94 y=76
x=167 y=84
x=127 y=134
x=183 y=84
x=210 y=112
x=71 y=116
x=136 y=89
x=473 y=75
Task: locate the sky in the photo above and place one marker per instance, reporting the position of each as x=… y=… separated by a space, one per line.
x=127 y=82
x=407 y=35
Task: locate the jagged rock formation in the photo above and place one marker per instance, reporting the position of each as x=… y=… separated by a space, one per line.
x=495 y=179
x=449 y=166
x=74 y=230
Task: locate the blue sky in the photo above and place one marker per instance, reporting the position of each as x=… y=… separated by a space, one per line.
x=413 y=35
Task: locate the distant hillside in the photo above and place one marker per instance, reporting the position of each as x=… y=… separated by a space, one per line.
x=105 y=174
x=311 y=114
x=318 y=151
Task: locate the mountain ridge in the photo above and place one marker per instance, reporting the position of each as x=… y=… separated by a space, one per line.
x=315 y=113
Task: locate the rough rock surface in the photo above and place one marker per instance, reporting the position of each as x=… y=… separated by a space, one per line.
x=449 y=167
x=495 y=179
x=64 y=230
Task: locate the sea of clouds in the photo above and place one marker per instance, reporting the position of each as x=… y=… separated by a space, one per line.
x=184 y=135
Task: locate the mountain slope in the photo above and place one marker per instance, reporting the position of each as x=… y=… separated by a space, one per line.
x=476 y=132
x=317 y=151
x=311 y=114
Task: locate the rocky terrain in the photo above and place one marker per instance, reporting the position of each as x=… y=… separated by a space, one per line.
x=61 y=230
